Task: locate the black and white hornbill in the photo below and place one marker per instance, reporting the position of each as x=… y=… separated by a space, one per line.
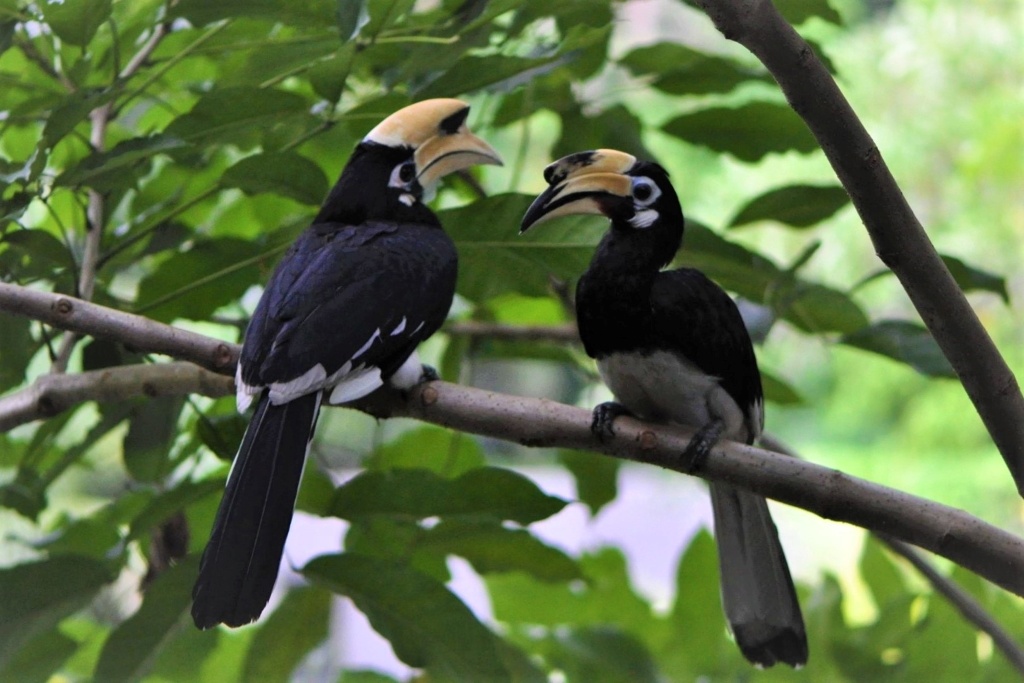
x=672 y=347
x=372 y=277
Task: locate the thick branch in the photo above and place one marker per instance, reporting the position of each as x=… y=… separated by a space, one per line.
x=897 y=235
x=134 y=331
x=987 y=550
x=53 y=394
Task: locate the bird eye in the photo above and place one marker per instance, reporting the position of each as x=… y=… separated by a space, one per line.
x=645 y=191
x=403 y=175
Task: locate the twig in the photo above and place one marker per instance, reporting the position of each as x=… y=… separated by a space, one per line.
x=987 y=550
x=53 y=394
x=96 y=209
x=960 y=599
x=558 y=334
x=897 y=235
x=964 y=602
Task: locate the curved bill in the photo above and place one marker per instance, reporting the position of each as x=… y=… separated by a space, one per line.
x=447 y=153
x=581 y=183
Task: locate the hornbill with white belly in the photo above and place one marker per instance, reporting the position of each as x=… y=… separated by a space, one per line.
x=672 y=347
x=371 y=278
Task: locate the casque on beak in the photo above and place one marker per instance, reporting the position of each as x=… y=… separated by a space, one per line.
x=582 y=183
x=436 y=129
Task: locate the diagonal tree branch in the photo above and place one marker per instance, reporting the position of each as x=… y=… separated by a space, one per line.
x=963 y=601
x=898 y=237
x=987 y=550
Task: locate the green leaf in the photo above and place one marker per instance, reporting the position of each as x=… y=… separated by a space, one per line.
x=108 y=170
x=680 y=70
x=195 y=283
x=605 y=597
x=596 y=477
x=352 y=17
x=778 y=391
x=495 y=259
x=442 y=451
x=798 y=11
x=73 y=110
x=602 y=654
x=31 y=254
x=285 y=173
x=40 y=659
x=748 y=132
x=427 y=626
x=36 y=596
x=474 y=73
x=880 y=573
x=305 y=13
x=903 y=341
x=132 y=648
x=236 y=115
x=18 y=345
x=487 y=492
x=697 y=614
x=970 y=278
x=615 y=128
x=800 y=206
x=168 y=503
x=222 y=434
x=151 y=433
x=293 y=629
x=76 y=21
x=490 y=547
x=816 y=308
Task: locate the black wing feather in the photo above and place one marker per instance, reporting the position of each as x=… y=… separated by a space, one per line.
x=340 y=284
x=694 y=316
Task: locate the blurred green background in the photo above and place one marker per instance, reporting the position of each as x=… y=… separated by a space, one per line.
x=190 y=231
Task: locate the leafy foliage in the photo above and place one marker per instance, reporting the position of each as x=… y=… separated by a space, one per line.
x=222 y=125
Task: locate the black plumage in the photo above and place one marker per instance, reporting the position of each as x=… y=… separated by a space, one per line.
x=342 y=314
x=672 y=347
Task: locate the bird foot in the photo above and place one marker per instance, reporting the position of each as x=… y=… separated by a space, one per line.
x=696 y=453
x=429 y=374
x=601 y=425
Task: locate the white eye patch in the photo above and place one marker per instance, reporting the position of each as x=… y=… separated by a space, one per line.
x=645 y=193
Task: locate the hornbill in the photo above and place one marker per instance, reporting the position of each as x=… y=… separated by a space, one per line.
x=672 y=347
x=372 y=277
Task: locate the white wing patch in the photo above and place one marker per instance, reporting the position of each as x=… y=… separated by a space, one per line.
x=400 y=327
x=407 y=376
x=311 y=380
x=360 y=382
x=244 y=393
x=369 y=342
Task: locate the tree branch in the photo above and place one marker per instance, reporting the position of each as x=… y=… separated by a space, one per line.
x=969 y=608
x=898 y=237
x=964 y=602
x=53 y=394
x=134 y=331
x=100 y=118
x=970 y=542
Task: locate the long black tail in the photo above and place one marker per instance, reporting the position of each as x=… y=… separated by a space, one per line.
x=239 y=565
x=757 y=591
